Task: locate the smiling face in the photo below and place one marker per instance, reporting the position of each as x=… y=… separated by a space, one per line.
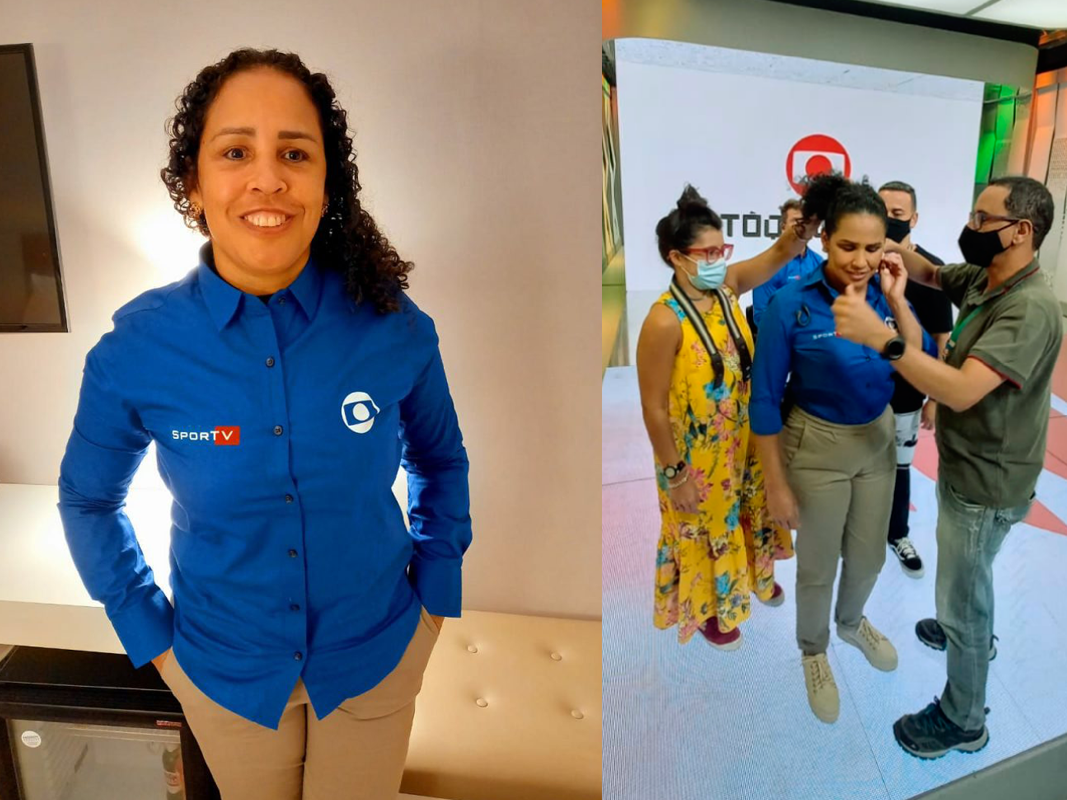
x=854 y=251
x=260 y=178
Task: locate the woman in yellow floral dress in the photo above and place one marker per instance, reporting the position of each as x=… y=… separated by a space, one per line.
x=718 y=543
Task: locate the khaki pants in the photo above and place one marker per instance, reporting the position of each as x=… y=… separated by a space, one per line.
x=842 y=476
x=357 y=752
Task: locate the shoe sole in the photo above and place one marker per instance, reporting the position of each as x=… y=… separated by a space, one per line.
x=775 y=602
x=860 y=648
x=916 y=574
x=827 y=720
x=992 y=656
x=726 y=647
x=824 y=719
x=967 y=747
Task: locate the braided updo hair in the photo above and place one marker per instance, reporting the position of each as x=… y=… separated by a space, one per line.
x=347 y=239
x=831 y=196
x=685 y=223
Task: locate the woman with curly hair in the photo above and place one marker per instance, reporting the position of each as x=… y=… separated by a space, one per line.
x=284 y=381
x=829 y=451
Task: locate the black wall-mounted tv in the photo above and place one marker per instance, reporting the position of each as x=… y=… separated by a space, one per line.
x=31 y=287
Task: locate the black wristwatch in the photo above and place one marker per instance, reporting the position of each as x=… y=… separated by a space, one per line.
x=894 y=348
x=670 y=473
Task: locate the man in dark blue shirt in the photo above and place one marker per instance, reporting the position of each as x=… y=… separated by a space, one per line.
x=797 y=269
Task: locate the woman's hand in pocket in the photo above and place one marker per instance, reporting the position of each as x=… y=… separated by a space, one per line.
x=161 y=659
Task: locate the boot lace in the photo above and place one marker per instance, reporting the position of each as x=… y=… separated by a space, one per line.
x=820 y=673
x=873 y=637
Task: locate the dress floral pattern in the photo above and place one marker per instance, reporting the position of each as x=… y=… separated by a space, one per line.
x=708 y=564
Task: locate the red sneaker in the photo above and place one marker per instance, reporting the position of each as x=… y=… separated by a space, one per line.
x=775 y=599
x=721 y=641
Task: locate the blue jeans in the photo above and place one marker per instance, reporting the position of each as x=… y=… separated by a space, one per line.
x=969 y=537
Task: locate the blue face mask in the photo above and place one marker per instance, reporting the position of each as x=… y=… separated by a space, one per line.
x=710 y=275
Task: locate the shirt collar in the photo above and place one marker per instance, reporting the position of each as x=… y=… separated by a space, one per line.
x=818 y=276
x=984 y=293
x=307 y=288
x=223 y=300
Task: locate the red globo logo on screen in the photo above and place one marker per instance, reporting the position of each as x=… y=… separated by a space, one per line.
x=814 y=155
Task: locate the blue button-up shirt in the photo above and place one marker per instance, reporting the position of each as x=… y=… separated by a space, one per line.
x=797 y=269
x=832 y=378
x=280 y=429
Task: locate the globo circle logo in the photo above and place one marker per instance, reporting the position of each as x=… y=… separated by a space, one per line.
x=358 y=412
x=813 y=155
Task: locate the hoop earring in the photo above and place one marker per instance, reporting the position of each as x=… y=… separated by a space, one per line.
x=194 y=212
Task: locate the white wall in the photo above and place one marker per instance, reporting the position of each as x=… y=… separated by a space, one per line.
x=730 y=136
x=477 y=124
x=788 y=30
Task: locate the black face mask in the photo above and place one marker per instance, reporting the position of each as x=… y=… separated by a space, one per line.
x=980 y=248
x=898 y=229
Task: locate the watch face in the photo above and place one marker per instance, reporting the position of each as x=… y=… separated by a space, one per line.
x=671 y=473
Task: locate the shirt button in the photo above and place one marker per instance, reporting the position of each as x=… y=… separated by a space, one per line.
x=298 y=656
x=292 y=554
x=288 y=498
x=277 y=430
x=294 y=607
x=270 y=361
x=281 y=301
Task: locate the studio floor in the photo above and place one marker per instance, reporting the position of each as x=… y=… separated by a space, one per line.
x=689 y=721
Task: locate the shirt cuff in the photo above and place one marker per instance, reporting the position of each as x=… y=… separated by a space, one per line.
x=146 y=629
x=765 y=422
x=439 y=584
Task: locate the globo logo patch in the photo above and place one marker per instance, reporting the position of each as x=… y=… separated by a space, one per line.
x=358 y=412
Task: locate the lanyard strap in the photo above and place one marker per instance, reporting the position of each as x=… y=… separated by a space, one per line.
x=735 y=334
x=961 y=324
x=705 y=337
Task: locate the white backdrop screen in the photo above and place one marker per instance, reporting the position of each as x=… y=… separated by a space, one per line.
x=740 y=139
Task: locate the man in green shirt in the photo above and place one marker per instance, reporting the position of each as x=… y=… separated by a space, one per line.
x=993 y=387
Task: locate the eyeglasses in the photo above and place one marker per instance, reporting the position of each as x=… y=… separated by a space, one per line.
x=980 y=218
x=712 y=253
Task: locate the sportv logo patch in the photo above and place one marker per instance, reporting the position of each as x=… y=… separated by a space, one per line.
x=228 y=435
x=813 y=155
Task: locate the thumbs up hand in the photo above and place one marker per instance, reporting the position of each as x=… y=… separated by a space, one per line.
x=857 y=321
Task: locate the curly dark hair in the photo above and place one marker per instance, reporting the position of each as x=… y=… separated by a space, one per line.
x=831 y=196
x=347 y=239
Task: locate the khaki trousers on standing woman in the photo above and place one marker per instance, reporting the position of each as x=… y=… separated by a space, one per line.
x=842 y=476
x=356 y=752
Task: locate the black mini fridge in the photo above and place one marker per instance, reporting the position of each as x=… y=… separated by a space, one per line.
x=88 y=726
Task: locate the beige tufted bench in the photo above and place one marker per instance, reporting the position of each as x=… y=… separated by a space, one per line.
x=510 y=710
